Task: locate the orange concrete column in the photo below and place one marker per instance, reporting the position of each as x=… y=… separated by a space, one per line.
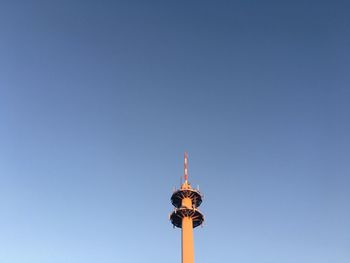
x=187 y=240
x=187 y=235
x=187 y=202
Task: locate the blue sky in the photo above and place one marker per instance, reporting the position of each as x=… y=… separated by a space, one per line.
x=99 y=100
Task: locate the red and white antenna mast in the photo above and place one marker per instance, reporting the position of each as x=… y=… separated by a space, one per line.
x=186 y=167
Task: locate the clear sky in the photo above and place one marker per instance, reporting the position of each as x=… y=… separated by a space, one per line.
x=99 y=100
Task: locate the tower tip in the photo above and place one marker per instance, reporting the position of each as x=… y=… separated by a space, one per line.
x=186 y=167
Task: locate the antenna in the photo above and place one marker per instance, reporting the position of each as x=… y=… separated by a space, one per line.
x=186 y=167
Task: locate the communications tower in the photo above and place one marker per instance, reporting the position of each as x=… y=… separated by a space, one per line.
x=186 y=214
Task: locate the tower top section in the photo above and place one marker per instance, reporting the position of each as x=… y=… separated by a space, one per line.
x=186 y=201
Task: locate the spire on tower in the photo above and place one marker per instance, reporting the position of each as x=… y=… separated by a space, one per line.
x=186 y=167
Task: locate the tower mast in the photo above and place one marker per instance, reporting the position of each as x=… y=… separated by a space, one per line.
x=186 y=167
x=186 y=214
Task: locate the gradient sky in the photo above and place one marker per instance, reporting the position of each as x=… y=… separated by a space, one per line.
x=99 y=100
